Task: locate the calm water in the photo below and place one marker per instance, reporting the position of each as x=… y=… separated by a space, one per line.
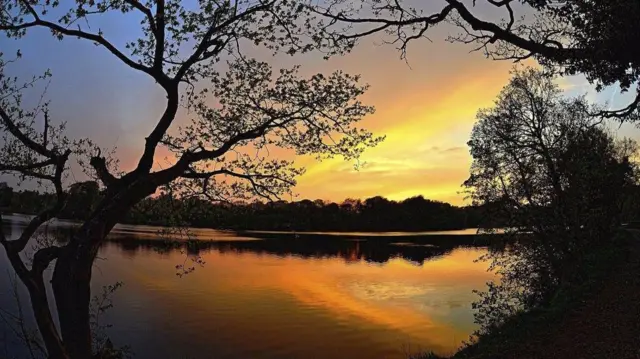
x=283 y=298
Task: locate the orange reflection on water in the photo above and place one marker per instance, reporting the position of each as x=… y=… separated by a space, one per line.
x=292 y=306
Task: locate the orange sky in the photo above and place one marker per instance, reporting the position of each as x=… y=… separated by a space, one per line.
x=426 y=108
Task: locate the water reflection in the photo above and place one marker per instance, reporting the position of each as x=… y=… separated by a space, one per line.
x=354 y=247
x=349 y=251
x=288 y=297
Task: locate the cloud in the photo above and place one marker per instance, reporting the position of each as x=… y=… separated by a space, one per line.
x=425 y=151
x=457 y=149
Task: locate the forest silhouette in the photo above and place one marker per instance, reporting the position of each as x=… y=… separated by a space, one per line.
x=376 y=214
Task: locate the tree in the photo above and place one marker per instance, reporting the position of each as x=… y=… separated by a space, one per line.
x=592 y=37
x=81 y=198
x=548 y=166
x=182 y=49
x=6 y=195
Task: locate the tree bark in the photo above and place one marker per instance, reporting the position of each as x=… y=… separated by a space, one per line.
x=44 y=320
x=71 y=288
x=71 y=280
x=39 y=304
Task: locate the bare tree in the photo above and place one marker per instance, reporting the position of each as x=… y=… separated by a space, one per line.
x=222 y=155
x=591 y=37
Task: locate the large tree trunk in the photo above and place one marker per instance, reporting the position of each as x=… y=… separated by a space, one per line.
x=71 y=288
x=72 y=275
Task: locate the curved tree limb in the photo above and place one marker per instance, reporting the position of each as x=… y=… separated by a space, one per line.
x=58 y=29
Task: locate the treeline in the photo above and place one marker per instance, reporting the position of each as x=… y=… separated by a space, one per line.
x=82 y=197
x=375 y=214
x=372 y=214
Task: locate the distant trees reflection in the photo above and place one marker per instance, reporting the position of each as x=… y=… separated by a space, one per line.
x=415 y=249
x=376 y=250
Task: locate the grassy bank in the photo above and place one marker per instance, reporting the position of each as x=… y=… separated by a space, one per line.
x=598 y=317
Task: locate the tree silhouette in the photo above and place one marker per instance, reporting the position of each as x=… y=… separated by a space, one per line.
x=181 y=48
x=6 y=196
x=548 y=166
x=381 y=215
x=81 y=199
x=590 y=37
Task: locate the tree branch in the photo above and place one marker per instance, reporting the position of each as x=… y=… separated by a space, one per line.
x=159 y=34
x=204 y=175
x=257 y=187
x=146 y=160
x=508 y=36
x=151 y=143
x=46 y=129
x=19 y=244
x=100 y=165
x=189 y=157
x=27 y=170
x=42 y=258
x=145 y=10
x=15 y=131
x=622 y=113
x=497 y=33
x=56 y=28
x=386 y=23
x=207 y=42
x=14 y=257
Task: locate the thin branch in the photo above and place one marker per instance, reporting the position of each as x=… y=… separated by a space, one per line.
x=27 y=169
x=14 y=257
x=46 y=128
x=203 y=175
x=15 y=131
x=145 y=10
x=56 y=28
x=508 y=36
x=19 y=244
x=386 y=23
x=258 y=188
x=622 y=113
x=159 y=34
x=100 y=165
x=207 y=41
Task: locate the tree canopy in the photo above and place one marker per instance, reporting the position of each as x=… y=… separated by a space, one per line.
x=590 y=37
x=560 y=181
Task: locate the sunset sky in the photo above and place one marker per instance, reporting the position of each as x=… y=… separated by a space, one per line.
x=425 y=107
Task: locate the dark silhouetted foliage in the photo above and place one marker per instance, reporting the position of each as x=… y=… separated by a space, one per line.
x=594 y=38
x=376 y=214
x=554 y=173
x=6 y=195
